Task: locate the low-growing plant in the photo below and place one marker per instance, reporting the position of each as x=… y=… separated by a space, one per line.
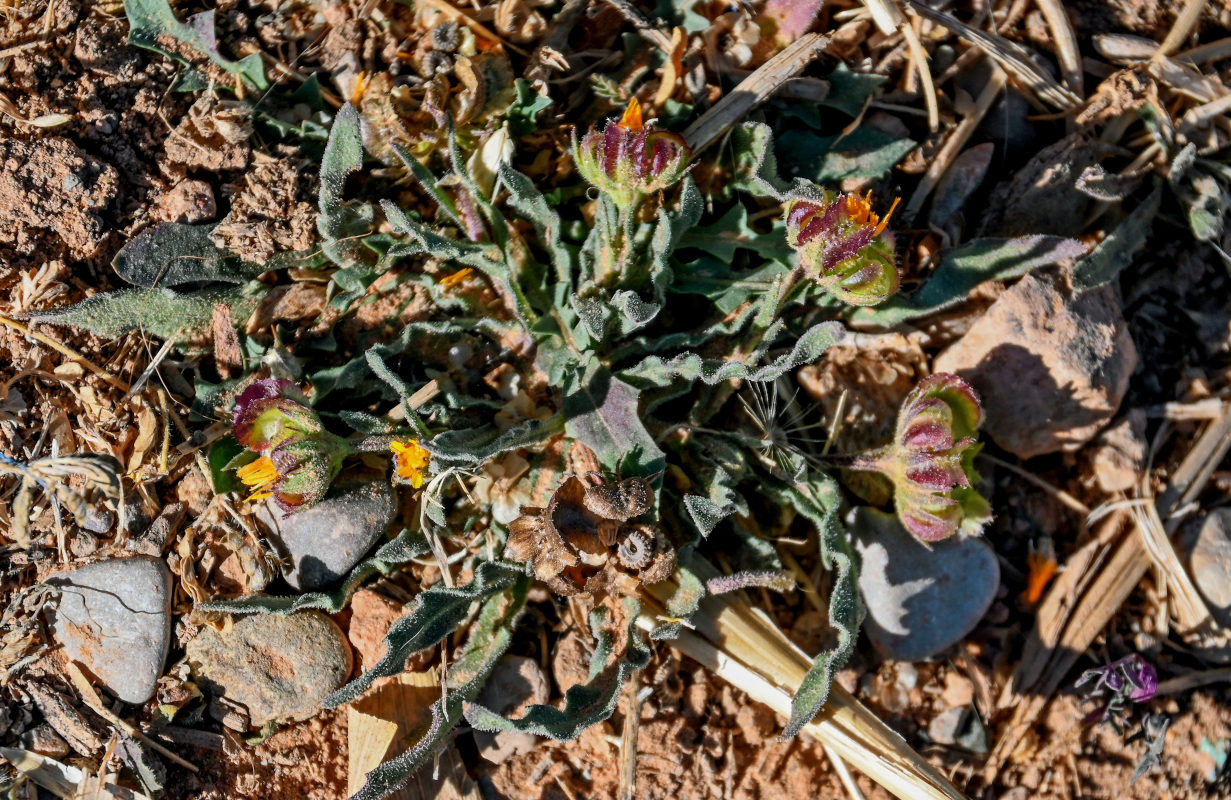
x=624 y=347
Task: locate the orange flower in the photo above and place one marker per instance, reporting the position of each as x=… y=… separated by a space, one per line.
x=260 y=476
x=449 y=281
x=409 y=460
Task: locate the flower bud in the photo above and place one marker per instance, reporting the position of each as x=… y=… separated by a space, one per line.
x=297 y=458
x=843 y=246
x=627 y=161
x=931 y=460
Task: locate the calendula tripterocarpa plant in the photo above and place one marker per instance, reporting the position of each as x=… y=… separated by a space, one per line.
x=615 y=375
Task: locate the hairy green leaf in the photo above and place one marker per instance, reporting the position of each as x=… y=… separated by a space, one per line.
x=170 y=254
x=342 y=224
x=469 y=447
x=818 y=499
x=864 y=153
x=1117 y=250
x=385 y=561
x=159 y=312
x=150 y=21
x=963 y=268
x=434 y=614
x=601 y=412
x=654 y=371
x=584 y=705
x=489 y=639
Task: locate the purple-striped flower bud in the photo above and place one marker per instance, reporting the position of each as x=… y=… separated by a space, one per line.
x=843 y=246
x=296 y=458
x=627 y=160
x=931 y=460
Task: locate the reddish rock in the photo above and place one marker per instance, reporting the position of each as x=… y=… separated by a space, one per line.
x=1050 y=365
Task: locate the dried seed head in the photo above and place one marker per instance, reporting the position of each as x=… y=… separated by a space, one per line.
x=621 y=501
x=636 y=550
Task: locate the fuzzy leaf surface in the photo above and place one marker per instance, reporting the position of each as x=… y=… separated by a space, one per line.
x=584 y=705
x=159 y=312
x=170 y=254
x=963 y=268
x=434 y=614
x=489 y=639
x=150 y=20
x=603 y=413
x=1118 y=249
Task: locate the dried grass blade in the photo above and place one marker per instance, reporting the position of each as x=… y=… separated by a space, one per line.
x=1008 y=55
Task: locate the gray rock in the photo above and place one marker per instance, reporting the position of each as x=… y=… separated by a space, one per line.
x=278 y=667
x=920 y=601
x=1209 y=560
x=1051 y=366
x=961 y=727
x=321 y=544
x=114 y=617
x=515 y=683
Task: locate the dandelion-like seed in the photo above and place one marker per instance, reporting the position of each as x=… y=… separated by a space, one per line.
x=784 y=436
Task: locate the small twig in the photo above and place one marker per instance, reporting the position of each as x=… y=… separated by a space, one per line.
x=1192 y=680
x=628 y=738
x=1067 y=52
x=66 y=351
x=920 y=58
x=92 y=699
x=956 y=141
x=754 y=90
x=1055 y=491
x=1184 y=24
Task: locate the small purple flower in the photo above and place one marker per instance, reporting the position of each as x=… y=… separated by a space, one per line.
x=1131 y=678
x=843 y=246
x=296 y=458
x=1124 y=682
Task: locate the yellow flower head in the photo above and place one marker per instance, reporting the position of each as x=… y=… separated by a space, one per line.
x=259 y=476
x=409 y=460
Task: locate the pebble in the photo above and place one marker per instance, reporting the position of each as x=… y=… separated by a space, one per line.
x=515 y=683
x=321 y=543
x=372 y=614
x=1209 y=560
x=920 y=601
x=278 y=667
x=961 y=727
x=114 y=617
x=43 y=739
x=1050 y=366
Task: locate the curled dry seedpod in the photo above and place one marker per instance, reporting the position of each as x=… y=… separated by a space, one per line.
x=627 y=160
x=575 y=549
x=296 y=458
x=931 y=460
x=624 y=500
x=843 y=246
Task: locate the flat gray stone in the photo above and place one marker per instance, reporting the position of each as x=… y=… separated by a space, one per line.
x=321 y=544
x=1209 y=559
x=279 y=667
x=515 y=683
x=114 y=618
x=920 y=601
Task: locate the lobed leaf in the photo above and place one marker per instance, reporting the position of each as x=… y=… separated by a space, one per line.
x=171 y=254
x=434 y=614
x=489 y=639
